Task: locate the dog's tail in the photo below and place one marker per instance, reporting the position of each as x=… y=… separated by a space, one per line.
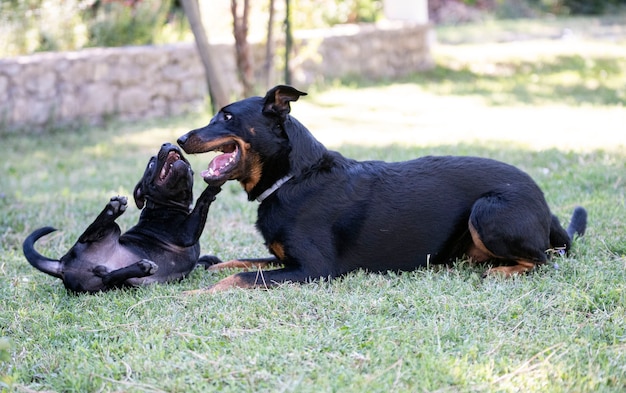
x=45 y=264
x=561 y=238
x=578 y=223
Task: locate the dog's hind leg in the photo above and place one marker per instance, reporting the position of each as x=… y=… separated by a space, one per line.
x=101 y=226
x=246 y=264
x=516 y=234
x=559 y=238
x=257 y=279
x=117 y=277
x=521 y=266
x=211 y=262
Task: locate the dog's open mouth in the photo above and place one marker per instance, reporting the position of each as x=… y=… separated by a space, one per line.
x=221 y=165
x=172 y=157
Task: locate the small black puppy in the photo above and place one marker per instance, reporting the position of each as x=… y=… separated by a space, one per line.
x=162 y=247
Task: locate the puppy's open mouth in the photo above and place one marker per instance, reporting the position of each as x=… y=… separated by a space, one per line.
x=172 y=157
x=221 y=165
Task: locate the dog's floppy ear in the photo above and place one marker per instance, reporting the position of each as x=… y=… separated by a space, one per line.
x=140 y=200
x=276 y=101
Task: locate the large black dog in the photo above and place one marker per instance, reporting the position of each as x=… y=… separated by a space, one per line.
x=162 y=247
x=323 y=215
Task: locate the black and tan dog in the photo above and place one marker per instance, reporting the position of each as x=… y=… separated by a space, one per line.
x=323 y=215
x=162 y=247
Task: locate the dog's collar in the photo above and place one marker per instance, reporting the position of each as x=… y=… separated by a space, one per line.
x=273 y=188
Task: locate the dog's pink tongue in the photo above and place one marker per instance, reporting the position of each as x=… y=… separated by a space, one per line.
x=216 y=165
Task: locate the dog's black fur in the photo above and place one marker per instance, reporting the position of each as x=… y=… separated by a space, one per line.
x=162 y=247
x=333 y=215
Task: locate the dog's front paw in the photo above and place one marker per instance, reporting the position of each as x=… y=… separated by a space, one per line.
x=215 y=183
x=148 y=267
x=117 y=205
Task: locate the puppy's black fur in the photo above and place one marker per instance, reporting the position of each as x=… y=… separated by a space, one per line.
x=162 y=247
x=323 y=215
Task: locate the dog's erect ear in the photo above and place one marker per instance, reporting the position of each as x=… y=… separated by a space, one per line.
x=140 y=200
x=277 y=100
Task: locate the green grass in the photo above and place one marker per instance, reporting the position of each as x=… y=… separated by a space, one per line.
x=443 y=330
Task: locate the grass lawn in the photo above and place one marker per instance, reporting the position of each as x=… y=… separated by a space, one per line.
x=553 y=108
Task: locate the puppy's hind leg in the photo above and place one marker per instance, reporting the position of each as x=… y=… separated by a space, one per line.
x=117 y=277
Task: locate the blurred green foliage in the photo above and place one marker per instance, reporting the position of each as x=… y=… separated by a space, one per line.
x=588 y=7
x=118 y=23
x=28 y=26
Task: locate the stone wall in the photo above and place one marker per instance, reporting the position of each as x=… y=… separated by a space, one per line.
x=55 y=89
x=373 y=52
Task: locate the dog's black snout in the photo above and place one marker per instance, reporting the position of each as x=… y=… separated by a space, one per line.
x=181 y=141
x=168 y=146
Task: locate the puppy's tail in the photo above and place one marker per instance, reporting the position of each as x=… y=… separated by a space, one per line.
x=45 y=264
x=578 y=223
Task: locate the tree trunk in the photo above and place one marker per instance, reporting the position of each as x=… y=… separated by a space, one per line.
x=288 y=41
x=269 y=49
x=219 y=93
x=242 y=49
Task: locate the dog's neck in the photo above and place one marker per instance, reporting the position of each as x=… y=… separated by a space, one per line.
x=273 y=188
x=161 y=207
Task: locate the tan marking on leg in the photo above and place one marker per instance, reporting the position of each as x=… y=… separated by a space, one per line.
x=225 y=284
x=478 y=252
x=235 y=281
x=236 y=264
x=522 y=266
x=278 y=250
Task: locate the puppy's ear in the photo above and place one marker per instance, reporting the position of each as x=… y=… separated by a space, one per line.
x=140 y=200
x=276 y=101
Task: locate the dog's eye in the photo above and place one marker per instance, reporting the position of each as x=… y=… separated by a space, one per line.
x=227 y=116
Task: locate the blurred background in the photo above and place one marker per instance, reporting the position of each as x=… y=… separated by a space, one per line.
x=29 y=26
x=69 y=62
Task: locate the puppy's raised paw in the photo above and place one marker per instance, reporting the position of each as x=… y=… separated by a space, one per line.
x=117 y=205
